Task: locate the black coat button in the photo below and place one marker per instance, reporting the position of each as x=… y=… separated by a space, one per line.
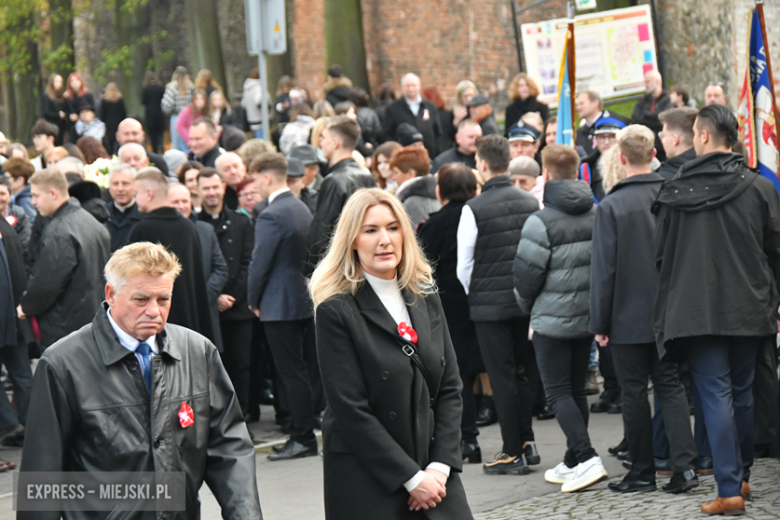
x=443 y=361
x=385 y=375
x=393 y=416
x=157 y=443
x=230 y=240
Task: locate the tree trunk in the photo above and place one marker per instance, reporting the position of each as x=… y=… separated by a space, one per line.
x=27 y=90
x=344 y=39
x=132 y=31
x=62 y=37
x=9 y=104
x=205 y=44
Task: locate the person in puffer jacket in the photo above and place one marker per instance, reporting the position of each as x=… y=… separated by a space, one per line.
x=551 y=274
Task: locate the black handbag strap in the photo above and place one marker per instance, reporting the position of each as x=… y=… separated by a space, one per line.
x=433 y=390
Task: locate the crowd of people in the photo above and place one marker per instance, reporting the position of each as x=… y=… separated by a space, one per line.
x=460 y=275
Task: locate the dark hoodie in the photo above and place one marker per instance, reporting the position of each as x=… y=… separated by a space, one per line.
x=717 y=250
x=551 y=271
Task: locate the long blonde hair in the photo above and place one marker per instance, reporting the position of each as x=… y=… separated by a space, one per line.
x=112 y=93
x=339 y=272
x=612 y=172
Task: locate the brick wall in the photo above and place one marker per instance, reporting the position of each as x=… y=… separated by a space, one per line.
x=309 y=44
x=443 y=41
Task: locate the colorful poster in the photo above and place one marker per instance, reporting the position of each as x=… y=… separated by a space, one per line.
x=614 y=51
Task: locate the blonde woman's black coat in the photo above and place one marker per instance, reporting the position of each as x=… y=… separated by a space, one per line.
x=382 y=425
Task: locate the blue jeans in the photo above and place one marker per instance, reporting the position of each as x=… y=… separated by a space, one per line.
x=17 y=363
x=722 y=369
x=177 y=143
x=593 y=363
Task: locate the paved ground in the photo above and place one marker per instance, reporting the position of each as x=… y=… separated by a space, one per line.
x=293 y=490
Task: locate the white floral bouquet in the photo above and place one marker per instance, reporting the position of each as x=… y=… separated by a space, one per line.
x=97 y=172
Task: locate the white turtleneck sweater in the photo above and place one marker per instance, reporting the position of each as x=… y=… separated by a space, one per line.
x=390 y=296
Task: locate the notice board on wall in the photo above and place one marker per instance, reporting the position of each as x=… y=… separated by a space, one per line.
x=614 y=49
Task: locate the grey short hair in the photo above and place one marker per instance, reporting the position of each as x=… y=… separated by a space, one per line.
x=121 y=167
x=224 y=156
x=128 y=146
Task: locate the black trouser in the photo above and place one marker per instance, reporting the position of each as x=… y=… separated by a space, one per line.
x=503 y=345
x=607 y=369
x=633 y=365
x=563 y=364
x=291 y=343
x=236 y=355
x=765 y=395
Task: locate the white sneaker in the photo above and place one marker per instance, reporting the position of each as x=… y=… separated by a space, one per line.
x=560 y=474
x=585 y=475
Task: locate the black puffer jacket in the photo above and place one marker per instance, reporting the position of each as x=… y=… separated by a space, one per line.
x=717 y=249
x=65 y=288
x=552 y=266
x=90 y=411
x=500 y=213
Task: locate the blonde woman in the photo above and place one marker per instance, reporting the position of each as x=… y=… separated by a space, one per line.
x=177 y=96
x=391 y=431
x=220 y=111
x=112 y=112
x=611 y=170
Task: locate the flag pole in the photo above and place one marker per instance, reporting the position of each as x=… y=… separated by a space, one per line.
x=572 y=65
x=760 y=9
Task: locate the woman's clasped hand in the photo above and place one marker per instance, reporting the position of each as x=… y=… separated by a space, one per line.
x=429 y=492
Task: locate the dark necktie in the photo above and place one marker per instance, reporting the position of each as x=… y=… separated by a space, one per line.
x=146 y=366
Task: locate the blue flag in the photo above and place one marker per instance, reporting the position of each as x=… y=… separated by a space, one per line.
x=766 y=142
x=565 y=132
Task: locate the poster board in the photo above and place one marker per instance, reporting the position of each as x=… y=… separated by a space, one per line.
x=614 y=50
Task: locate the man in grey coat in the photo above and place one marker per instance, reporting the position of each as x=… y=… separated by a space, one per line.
x=215 y=269
x=552 y=279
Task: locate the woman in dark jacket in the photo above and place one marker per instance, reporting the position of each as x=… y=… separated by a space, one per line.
x=151 y=98
x=76 y=95
x=112 y=112
x=390 y=431
x=439 y=238
x=523 y=92
x=55 y=108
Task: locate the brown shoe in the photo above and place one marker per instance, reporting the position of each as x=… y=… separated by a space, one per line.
x=724 y=506
x=746 y=491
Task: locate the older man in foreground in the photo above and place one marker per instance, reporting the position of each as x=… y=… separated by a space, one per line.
x=161 y=388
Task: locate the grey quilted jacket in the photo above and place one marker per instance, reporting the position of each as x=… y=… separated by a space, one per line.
x=551 y=271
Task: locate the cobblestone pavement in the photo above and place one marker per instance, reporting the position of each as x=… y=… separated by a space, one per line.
x=599 y=503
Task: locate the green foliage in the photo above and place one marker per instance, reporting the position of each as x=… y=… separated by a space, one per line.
x=120 y=60
x=59 y=59
x=18 y=27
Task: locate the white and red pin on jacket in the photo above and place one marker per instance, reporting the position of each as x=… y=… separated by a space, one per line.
x=11 y=219
x=407 y=332
x=186 y=416
x=426 y=115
